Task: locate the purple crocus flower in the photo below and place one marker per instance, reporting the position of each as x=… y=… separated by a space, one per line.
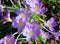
x=30 y=32
x=57 y=35
x=19 y=23
x=9 y=39
x=23 y=13
x=46 y=35
x=6 y=17
x=38 y=9
x=51 y=23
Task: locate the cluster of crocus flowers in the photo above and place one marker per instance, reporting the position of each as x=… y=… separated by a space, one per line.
x=20 y=19
x=31 y=29
x=8 y=39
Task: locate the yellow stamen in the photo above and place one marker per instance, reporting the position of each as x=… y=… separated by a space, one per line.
x=45 y=36
x=5 y=18
x=8 y=40
x=23 y=14
x=20 y=23
x=30 y=33
x=36 y=7
x=49 y=24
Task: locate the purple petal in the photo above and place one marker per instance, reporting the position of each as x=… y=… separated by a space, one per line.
x=51 y=29
x=17 y=12
x=28 y=39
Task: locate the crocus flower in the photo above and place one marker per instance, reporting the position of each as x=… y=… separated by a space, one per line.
x=21 y=19
x=30 y=32
x=57 y=35
x=38 y=9
x=50 y=23
x=23 y=13
x=45 y=35
x=18 y=23
x=8 y=39
x=6 y=17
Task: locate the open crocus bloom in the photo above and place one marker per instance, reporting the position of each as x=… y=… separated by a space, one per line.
x=38 y=9
x=30 y=32
x=19 y=23
x=6 y=17
x=50 y=24
x=9 y=39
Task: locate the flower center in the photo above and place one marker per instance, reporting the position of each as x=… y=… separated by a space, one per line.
x=30 y=33
x=36 y=7
x=8 y=39
x=23 y=14
x=34 y=25
x=49 y=24
x=45 y=36
x=20 y=23
x=5 y=18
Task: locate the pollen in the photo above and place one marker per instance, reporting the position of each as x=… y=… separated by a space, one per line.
x=20 y=23
x=30 y=33
x=49 y=24
x=45 y=36
x=36 y=7
x=8 y=40
x=23 y=14
x=5 y=18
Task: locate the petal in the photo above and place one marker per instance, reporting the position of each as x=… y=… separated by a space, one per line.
x=51 y=29
x=17 y=12
x=28 y=39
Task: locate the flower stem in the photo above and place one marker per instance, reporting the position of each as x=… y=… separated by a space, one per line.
x=15 y=33
x=19 y=3
x=17 y=38
x=13 y=3
x=47 y=29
